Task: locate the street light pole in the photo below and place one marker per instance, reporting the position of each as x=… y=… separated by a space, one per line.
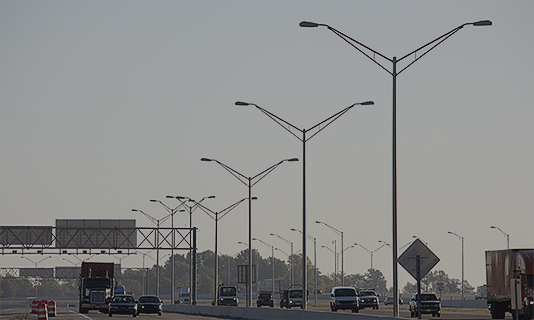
x=157 y=222
x=341 y=234
x=290 y=243
x=371 y=253
x=371 y=54
x=283 y=123
x=335 y=260
x=190 y=209
x=171 y=211
x=462 y=240
x=314 y=259
x=506 y=235
x=248 y=182
x=36 y=263
x=216 y=216
x=272 y=262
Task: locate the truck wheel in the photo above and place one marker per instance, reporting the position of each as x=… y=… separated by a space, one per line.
x=110 y=314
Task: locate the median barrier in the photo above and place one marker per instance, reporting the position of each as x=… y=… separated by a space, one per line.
x=266 y=313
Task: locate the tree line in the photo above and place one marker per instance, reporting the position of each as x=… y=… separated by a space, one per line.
x=138 y=281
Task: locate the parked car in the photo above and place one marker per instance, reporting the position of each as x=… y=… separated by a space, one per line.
x=368 y=299
x=389 y=300
x=149 y=304
x=265 y=299
x=342 y=298
x=430 y=304
x=123 y=304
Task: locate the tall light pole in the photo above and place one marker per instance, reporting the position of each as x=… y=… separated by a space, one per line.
x=171 y=211
x=190 y=209
x=319 y=127
x=462 y=240
x=290 y=243
x=371 y=54
x=278 y=249
x=506 y=235
x=248 y=182
x=371 y=253
x=342 y=263
x=272 y=261
x=157 y=222
x=335 y=260
x=216 y=216
x=314 y=260
x=36 y=263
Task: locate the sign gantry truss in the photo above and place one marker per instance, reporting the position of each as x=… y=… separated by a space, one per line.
x=91 y=240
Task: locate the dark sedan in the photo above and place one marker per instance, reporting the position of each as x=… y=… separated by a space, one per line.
x=123 y=304
x=149 y=304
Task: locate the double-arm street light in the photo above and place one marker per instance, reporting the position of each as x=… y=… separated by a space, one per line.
x=171 y=211
x=249 y=181
x=272 y=261
x=157 y=222
x=318 y=127
x=314 y=260
x=462 y=240
x=290 y=243
x=36 y=263
x=506 y=235
x=371 y=253
x=216 y=216
x=341 y=234
x=371 y=54
x=190 y=209
x=334 y=251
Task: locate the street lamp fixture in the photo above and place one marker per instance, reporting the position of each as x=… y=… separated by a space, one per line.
x=171 y=212
x=371 y=253
x=462 y=240
x=318 y=127
x=371 y=54
x=249 y=181
x=290 y=243
x=190 y=209
x=216 y=216
x=342 y=263
x=506 y=235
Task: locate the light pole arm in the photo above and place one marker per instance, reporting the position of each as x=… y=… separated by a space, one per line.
x=151 y=218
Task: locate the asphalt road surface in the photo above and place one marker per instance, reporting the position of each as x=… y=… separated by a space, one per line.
x=72 y=313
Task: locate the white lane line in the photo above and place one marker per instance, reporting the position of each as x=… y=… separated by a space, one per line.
x=80 y=314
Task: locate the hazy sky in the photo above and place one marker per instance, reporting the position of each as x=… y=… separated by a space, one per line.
x=105 y=105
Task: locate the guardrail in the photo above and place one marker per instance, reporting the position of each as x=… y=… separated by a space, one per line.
x=266 y=313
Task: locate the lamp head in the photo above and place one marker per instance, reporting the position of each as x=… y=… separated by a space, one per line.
x=308 y=24
x=206 y=159
x=293 y=159
x=170 y=197
x=241 y=103
x=153 y=200
x=318 y=222
x=210 y=197
x=254 y=198
x=135 y=210
x=482 y=23
x=367 y=103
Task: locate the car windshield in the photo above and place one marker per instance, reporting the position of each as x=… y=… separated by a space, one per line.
x=345 y=292
x=265 y=295
x=149 y=299
x=123 y=300
x=295 y=294
x=367 y=293
x=230 y=291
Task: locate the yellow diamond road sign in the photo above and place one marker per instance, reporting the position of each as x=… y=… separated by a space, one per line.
x=408 y=259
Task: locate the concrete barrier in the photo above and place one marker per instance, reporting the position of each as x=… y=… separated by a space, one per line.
x=266 y=313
